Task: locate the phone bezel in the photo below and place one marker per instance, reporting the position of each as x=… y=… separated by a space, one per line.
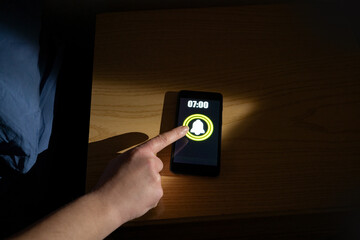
x=195 y=169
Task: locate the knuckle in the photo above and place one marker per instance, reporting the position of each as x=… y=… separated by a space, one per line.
x=149 y=162
x=161 y=164
x=158 y=164
x=138 y=152
x=135 y=152
x=163 y=138
x=155 y=204
x=158 y=178
x=160 y=193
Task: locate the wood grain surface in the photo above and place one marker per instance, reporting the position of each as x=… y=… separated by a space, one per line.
x=291 y=135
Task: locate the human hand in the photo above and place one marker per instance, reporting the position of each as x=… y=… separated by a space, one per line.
x=128 y=188
x=131 y=183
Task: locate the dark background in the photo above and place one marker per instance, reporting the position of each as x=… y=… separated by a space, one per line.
x=59 y=174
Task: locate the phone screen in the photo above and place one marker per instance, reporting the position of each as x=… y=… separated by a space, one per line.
x=202 y=114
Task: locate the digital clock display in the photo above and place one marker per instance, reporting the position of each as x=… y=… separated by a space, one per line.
x=197 y=104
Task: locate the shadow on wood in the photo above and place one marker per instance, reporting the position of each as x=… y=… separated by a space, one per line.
x=105 y=150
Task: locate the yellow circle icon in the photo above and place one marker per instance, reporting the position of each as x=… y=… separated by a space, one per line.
x=207 y=120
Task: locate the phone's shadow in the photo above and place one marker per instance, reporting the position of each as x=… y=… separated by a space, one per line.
x=168 y=123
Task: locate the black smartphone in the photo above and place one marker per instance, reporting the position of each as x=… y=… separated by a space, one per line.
x=198 y=153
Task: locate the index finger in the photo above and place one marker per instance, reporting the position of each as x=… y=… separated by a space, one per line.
x=161 y=141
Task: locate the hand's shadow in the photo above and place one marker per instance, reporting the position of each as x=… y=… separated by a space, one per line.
x=101 y=152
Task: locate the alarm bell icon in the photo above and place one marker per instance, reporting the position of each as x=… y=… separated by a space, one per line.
x=197 y=127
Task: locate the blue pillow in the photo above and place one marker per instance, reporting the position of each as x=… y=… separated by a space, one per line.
x=26 y=100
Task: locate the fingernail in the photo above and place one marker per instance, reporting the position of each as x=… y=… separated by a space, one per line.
x=184 y=129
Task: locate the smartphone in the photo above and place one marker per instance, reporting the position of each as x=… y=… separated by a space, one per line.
x=198 y=153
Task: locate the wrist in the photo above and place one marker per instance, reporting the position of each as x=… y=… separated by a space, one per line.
x=108 y=209
x=112 y=205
